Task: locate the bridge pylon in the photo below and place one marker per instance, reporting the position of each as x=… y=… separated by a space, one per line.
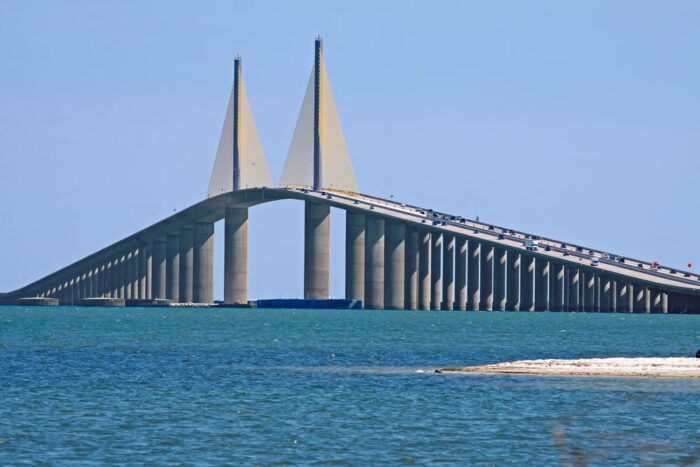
x=240 y=160
x=318 y=157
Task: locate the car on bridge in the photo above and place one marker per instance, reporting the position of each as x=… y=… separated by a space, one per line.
x=530 y=244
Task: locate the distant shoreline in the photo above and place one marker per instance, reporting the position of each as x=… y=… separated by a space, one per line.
x=642 y=367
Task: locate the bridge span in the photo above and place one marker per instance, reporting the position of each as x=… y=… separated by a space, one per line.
x=397 y=256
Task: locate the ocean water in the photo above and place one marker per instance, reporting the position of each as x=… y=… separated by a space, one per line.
x=271 y=387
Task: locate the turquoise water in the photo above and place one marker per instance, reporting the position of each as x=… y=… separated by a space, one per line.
x=133 y=386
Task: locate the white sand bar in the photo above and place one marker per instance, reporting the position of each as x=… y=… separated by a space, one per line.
x=671 y=367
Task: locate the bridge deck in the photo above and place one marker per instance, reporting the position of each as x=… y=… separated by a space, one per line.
x=213 y=209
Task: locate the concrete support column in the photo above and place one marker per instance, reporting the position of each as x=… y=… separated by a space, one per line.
x=172 y=267
x=186 y=265
x=436 y=270
x=113 y=289
x=572 y=289
x=541 y=284
x=638 y=299
x=374 y=263
x=149 y=272
x=236 y=255
x=656 y=301
x=613 y=295
x=143 y=295
x=82 y=286
x=203 y=263
x=424 y=265
x=448 y=271
x=622 y=297
x=461 y=274
x=70 y=300
x=394 y=265
x=590 y=302
x=513 y=280
x=499 y=279
x=90 y=285
x=355 y=255
x=486 y=280
x=128 y=278
x=556 y=293
x=631 y=293
x=97 y=281
x=317 y=226
x=527 y=278
x=647 y=300
x=158 y=269
x=664 y=302
x=114 y=278
x=135 y=254
x=106 y=280
x=411 y=275
x=473 y=263
x=121 y=281
x=605 y=294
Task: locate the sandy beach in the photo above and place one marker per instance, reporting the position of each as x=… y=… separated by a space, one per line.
x=669 y=367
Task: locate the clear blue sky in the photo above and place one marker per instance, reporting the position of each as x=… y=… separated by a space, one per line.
x=576 y=120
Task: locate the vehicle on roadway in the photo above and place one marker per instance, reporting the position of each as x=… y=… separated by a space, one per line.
x=530 y=244
x=594 y=261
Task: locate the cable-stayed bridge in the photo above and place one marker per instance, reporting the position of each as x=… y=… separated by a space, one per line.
x=397 y=256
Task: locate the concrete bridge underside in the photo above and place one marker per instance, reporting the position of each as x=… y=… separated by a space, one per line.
x=396 y=258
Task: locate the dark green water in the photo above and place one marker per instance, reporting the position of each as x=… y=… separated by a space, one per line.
x=161 y=386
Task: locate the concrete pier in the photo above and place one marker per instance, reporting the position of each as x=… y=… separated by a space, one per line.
x=424 y=266
x=664 y=302
x=121 y=276
x=659 y=301
x=527 y=281
x=203 y=263
x=448 y=272
x=107 y=280
x=317 y=223
x=143 y=295
x=589 y=295
x=513 y=281
x=556 y=292
x=542 y=285
x=572 y=289
x=647 y=300
x=436 y=270
x=638 y=299
x=605 y=294
x=394 y=265
x=473 y=253
x=613 y=296
x=186 y=264
x=134 y=273
x=622 y=299
x=149 y=272
x=499 y=279
x=486 y=281
x=461 y=273
x=374 y=263
x=172 y=268
x=355 y=255
x=236 y=255
x=158 y=269
x=411 y=275
x=128 y=277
